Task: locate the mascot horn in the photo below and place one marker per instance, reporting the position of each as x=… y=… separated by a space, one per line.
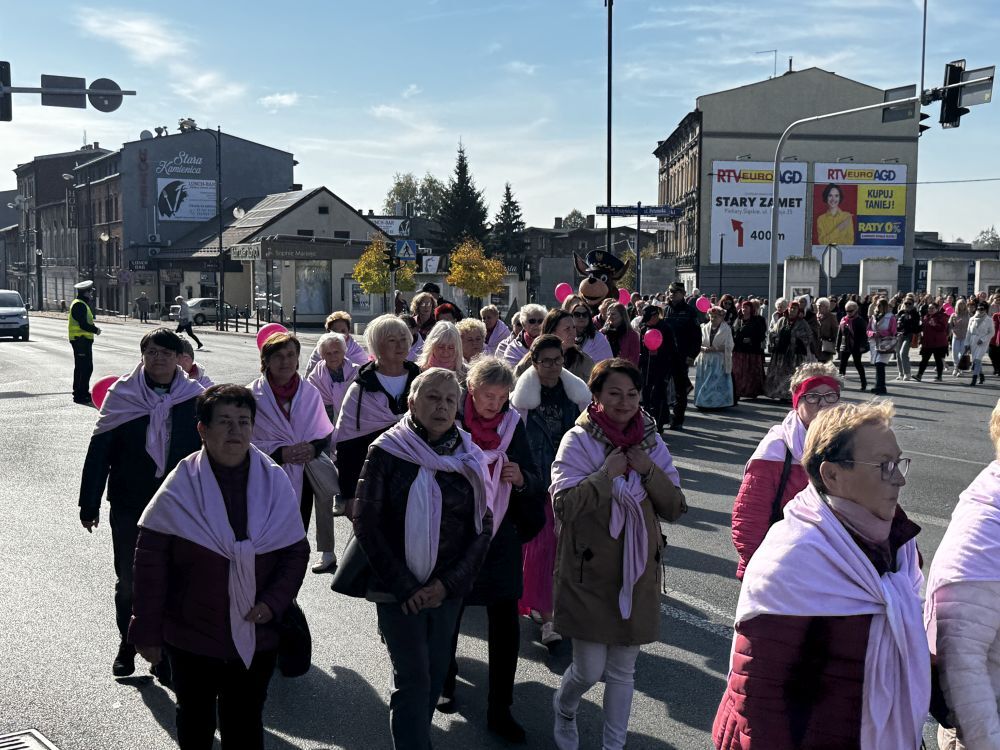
x=601 y=272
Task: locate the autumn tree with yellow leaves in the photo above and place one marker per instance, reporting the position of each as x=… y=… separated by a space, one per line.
x=474 y=273
x=373 y=273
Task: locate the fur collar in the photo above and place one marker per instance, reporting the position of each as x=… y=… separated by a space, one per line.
x=528 y=390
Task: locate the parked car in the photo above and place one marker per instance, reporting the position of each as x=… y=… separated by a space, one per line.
x=13 y=315
x=203 y=310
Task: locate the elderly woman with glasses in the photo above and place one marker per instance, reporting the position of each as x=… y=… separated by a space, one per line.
x=962 y=613
x=422 y=309
x=591 y=341
x=532 y=317
x=549 y=398
x=713 y=385
x=560 y=323
x=830 y=648
x=774 y=474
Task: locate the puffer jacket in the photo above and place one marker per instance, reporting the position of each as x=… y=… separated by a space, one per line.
x=754 y=501
x=797 y=683
x=935 y=332
x=379 y=517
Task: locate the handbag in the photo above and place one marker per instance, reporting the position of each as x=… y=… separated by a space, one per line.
x=827 y=347
x=295 y=642
x=323 y=477
x=965 y=361
x=886 y=344
x=353 y=571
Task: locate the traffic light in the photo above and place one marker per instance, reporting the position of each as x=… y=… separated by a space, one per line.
x=921 y=127
x=390 y=258
x=6 y=110
x=951 y=112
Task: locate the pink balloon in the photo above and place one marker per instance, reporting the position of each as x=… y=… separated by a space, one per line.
x=704 y=304
x=653 y=339
x=948 y=309
x=269 y=330
x=624 y=297
x=563 y=290
x=100 y=390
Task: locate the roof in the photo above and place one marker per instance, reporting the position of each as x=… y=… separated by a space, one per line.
x=805 y=71
x=63 y=154
x=213 y=130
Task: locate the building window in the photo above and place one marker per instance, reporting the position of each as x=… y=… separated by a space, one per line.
x=305 y=232
x=323 y=209
x=340 y=234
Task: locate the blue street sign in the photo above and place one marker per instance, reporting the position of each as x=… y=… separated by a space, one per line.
x=664 y=211
x=406 y=250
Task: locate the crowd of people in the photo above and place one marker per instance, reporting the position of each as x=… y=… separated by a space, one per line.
x=523 y=469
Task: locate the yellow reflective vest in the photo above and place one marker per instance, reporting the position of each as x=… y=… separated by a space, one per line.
x=75 y=332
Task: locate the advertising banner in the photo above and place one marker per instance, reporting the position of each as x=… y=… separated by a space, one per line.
x=185 y=200
x=861 y=208
x=391 y=226
x=741 y=210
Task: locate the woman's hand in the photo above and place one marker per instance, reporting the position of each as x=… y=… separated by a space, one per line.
x=152 y=654
x=428 y=597
x=261 y=614
x=639 y=460
x=511 y=472
x=300 y=453
x=615 y=464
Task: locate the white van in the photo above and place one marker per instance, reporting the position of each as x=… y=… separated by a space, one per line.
x=13 y=315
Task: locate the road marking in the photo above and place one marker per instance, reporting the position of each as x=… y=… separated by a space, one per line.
x=696 y=603
x=723 y=629
x=701 y=623
x=947 y=458
x=941 y=523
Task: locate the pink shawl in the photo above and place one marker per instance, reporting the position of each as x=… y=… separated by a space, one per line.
x=514 y=351
x=597 y=347
x=809 y=566
x=416 y=348
x=272 y=429
x=497 y=491
x=189 y=505
x=354 y=353
x=493 y=340
x=791 y=433
x=580 y=455
x=374 y=415
x=332 y=393
x=423 y=502
x=970 y=549
x=130 y=397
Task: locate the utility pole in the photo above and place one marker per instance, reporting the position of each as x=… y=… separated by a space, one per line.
x=722 y=250
x=607 y=236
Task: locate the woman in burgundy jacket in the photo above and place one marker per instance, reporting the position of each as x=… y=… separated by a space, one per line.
x=815 y=386
x=623 y=338
x=935 y=340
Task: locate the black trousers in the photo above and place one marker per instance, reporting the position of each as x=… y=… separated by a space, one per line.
x=503 y=643
x=845 y=356
x=186 y=328
x=143 y=315
x=207 y=688
x=938 y=354
x=83 y=367
x=681 y=385
x=124 y=523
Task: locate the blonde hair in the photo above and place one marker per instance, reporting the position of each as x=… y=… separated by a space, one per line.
x=815 y=370
x=467 y=324
x=995 y=427
x=490 y=308
x=444 y=331
x=831 y=434
x=418 y=299
x=381 y=328
x=334 y=317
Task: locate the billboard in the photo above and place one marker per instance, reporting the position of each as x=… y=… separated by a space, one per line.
x=741 y=210
x=185 y=200
x=861 y=208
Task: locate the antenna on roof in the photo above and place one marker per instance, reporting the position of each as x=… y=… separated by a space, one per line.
x=771 y=52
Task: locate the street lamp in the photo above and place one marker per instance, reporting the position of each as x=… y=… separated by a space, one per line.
x=38 y=269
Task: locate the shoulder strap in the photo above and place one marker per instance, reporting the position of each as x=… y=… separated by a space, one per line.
x=776 y=513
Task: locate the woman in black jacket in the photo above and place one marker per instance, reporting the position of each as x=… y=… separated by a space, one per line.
x=907 y=328
x=852 y=340
x=518 y=516
x=749 y=334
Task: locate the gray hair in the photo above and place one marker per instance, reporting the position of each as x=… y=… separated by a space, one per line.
x=326 y=338
x=432 y=376
x=381 y=328
x=532 y=309
x=815 y=370
x=822 y=301
x=467 y=324
x=487 y=371
x=779 y=302
x=490 y=308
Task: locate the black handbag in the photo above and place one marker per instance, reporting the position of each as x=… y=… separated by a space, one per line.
x=353 y=571
x=295 y=644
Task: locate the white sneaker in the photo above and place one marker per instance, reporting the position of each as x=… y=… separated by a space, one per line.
x=564 y=729
x=899 y=377
x=907 y=377
x=326 y=564
x=549 y=636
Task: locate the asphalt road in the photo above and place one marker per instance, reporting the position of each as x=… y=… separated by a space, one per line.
x=57 y=633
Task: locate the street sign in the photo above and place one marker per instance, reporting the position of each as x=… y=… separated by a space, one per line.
x=75 y=100
x=245 y=252
x=833 y=261
x=617 y=210
x=406 y=250
x=657 y=226
x=976 y=93
x=639 y=210
x=138 y=265
x=104 y=102
x=903 y=112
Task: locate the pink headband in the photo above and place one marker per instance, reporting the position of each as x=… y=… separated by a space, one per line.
x=809 y=383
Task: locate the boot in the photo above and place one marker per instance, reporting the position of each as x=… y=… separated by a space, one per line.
x=974 y=379
x=982 y=378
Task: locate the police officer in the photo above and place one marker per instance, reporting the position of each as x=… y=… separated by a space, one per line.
x=81 y=337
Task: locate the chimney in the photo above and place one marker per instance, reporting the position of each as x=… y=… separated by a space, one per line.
x=97 y=145
x=590 y=221
x=558 y=224
x=371 y=212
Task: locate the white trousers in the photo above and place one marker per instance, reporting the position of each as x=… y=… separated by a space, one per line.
x=615 y=665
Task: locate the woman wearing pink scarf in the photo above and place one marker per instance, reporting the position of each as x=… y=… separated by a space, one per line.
x=293 y=429
x=335 y=376
x=220 y=556
x=962 y=614
x=443 y=348
x=830 y=649
x=774 y=473
x=339 y=322
x=496 y=330
x=611 y=465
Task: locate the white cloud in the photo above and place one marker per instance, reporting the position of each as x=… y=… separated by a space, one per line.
x=521 y=68
x=274 y=102
x=412 y=90
x=493 y=47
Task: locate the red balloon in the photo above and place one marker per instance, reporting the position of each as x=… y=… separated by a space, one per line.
x=704 y=304
x=624 y=297
x=100 y=390
x=563 y=290
x=269 y=330
x=653 y=339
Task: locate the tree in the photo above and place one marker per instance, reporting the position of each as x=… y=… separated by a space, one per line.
x=988 y=239
x=425 y=194
x=574 y=220
x=474 y=273
x=372 y=272
x=405 y=189
x=507 y=223
x=628 y=280
x=430 y=196
x=463 y=210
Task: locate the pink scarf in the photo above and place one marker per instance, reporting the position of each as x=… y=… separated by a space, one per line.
x=496 y=336
x=332 y=393
x=423 y=502
x=579 y=456
x=374 y=414
x=130 y=397
x=791 y=433
x=497 y=491
x=354 y=353
x=810 y=566
x=970 y=550
x=307 y=421
x=189 y=505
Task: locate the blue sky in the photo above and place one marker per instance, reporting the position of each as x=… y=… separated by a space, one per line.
x=361 y=90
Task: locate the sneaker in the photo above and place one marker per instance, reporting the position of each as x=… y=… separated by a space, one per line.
x=124 y=663
x=326 y=564
x=907 y=377
x=549 y=636
x=501 y=723
x=564 y=729
x=900 y=378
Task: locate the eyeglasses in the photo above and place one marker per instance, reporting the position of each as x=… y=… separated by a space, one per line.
x=551 y=362
x=581 y=314
x=535 y=321
x=888 y=467
x=159 y=354
x=830 y=397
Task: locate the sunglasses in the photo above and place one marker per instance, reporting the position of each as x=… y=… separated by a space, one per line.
x=534 y=321
x=581 y=315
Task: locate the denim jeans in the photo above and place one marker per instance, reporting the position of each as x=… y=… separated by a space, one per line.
x=420 y=651
x=903 y=356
